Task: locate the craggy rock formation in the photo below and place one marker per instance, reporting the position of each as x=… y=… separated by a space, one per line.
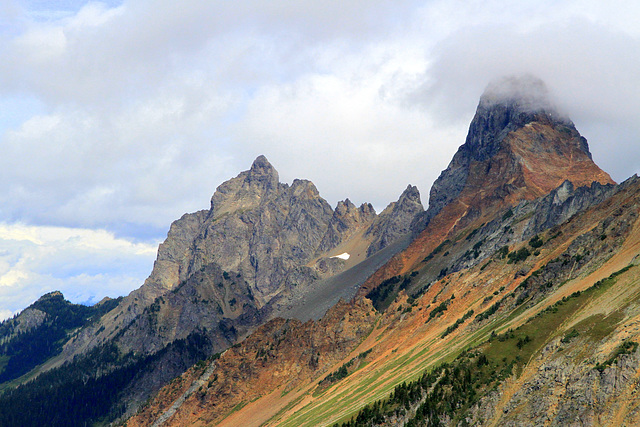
x=395 y=220
x=515 y=302
x=519 y=147
x=257 y=253
x=520 y=213
x=275 y=238
x=346 y=221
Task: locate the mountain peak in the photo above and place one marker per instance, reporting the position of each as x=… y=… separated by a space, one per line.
x=410 y=194
x=395 y=220
x=518 y=148
x=508 y=104
x=50 y=296
x=262 y=165
x=540 y=148
x=261 y=170
x=247 y=189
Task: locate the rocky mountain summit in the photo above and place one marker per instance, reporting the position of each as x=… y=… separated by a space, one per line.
x=519 y=147
x=277 y=239
x=395 y=220
x=263 y=249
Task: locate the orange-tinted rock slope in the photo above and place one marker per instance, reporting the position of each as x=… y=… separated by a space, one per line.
x=521 y=219
x=575 y=298
x=519 y=147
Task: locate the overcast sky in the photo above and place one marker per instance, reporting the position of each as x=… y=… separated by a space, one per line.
x=117 y=117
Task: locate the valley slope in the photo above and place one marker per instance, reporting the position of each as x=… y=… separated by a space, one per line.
x=516 y=303
x=513 y=299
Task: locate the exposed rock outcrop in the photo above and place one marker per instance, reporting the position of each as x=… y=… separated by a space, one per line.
x=519 y=147
x=522 y=196
x=395 y=220
x=346 y=221
x=257 y=253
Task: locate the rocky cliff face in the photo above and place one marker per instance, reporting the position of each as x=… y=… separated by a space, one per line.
x=346 y=221
x=271 y=233
x=537 y=325
x=257 y=253
x=395 y=220
x=519 y=147
x=280 y=355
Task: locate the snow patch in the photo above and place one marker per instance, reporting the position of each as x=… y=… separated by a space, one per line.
x=342 y=256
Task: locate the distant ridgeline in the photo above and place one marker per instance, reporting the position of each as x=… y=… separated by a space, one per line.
x=40 y=331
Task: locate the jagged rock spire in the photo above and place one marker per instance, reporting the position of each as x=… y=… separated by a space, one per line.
x=247 y=189
x=263 y=172
x=506 y=107
x=395 y=220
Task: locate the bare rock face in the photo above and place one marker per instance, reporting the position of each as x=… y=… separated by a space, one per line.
x=172 y=263
x=395 y=220
x=269 y=242
x=211 y=300
x=518 y=147
x=247 y=190
x=346 y=221
x=28 y=319
x=279 y=353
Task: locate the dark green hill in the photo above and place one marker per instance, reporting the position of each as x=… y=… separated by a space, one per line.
x=39 y=332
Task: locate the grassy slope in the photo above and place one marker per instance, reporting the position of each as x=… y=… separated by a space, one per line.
x=407 y=338
x=407 y=347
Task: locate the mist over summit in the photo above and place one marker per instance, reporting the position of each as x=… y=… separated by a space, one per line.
x=526 y=93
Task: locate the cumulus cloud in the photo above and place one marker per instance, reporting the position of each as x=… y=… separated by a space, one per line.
x=345 y=132
x=86 y=265
x=144 y=107
x=123 y=115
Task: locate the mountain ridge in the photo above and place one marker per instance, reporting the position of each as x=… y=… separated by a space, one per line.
x=516 y=149
x=258 y=252
x=521 y=223
x=417 y=330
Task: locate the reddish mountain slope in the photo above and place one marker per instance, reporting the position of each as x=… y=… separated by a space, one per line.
x=518 y=148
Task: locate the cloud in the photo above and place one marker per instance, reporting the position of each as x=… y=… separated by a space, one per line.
x=141 y=101
x=123 y=115
x=86 y=265
x=348 y=130
x=73 y=168
x=593 y=73
x=143 y=108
